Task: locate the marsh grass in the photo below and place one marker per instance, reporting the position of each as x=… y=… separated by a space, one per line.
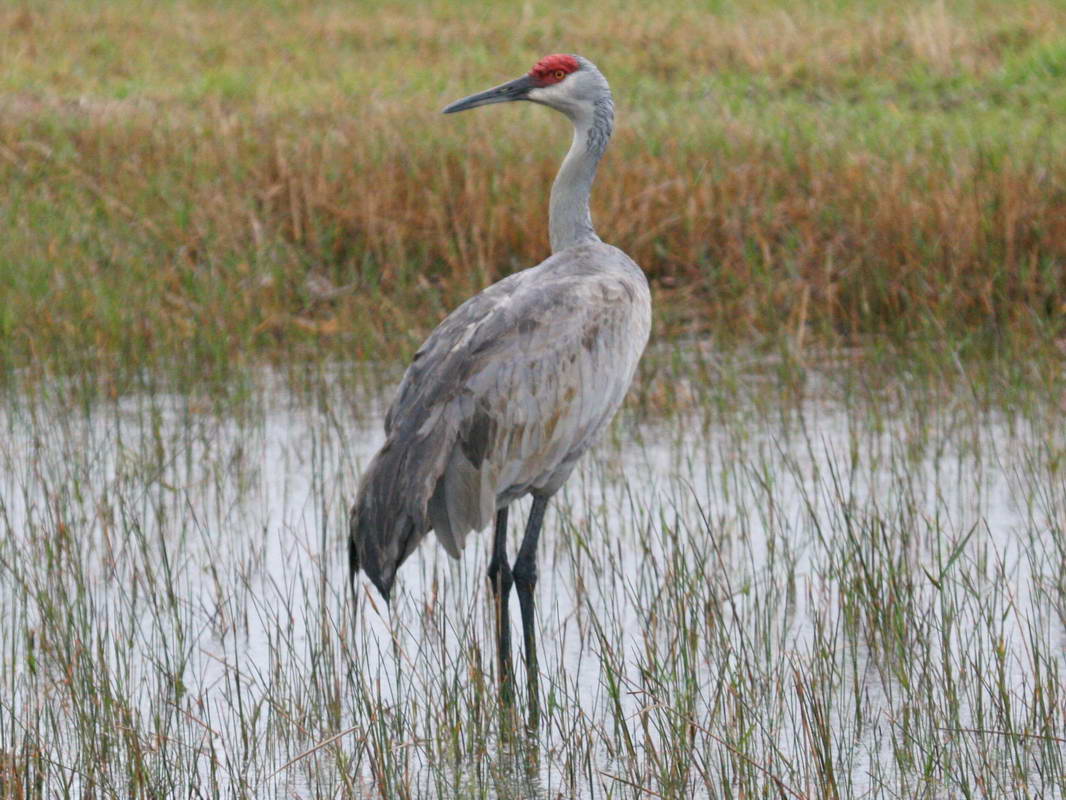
x=793 y=569
x=208 y=184
x=802 y=582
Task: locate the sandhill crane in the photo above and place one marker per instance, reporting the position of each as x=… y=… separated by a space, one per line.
x=515 y=384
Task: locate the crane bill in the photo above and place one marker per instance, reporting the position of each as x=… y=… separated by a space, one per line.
x=518 y=89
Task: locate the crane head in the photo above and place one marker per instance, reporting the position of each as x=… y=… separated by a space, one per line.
x=564 y=82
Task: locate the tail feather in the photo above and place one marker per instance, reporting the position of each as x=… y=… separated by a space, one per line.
x=371 y=549
x=389 y=517
x=419 y=481
x=353 y=553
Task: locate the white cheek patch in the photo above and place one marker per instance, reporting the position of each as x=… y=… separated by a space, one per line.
x=558 y=95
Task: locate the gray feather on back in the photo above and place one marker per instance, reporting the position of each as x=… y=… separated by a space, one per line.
x=502 y=399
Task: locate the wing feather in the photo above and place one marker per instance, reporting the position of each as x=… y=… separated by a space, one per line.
x=502 y=399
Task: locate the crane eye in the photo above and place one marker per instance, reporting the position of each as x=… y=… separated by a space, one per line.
x=558 y=74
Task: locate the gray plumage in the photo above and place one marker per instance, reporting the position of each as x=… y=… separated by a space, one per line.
x=515 y=384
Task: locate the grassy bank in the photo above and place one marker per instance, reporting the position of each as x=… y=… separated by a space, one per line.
x=214 y=183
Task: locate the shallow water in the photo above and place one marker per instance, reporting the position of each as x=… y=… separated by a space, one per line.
x=820 y=596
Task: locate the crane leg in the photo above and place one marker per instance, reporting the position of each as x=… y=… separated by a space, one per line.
x=501 y=580
x=525 y=578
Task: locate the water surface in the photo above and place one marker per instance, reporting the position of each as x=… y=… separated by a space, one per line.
x=805 y=595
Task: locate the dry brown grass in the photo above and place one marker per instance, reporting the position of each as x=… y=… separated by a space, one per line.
x=775 y=172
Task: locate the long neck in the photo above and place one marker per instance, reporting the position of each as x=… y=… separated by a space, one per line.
x=569 y=218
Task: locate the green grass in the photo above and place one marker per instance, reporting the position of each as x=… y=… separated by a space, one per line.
x=211 y=184
x=820 y=553
x=805 y=582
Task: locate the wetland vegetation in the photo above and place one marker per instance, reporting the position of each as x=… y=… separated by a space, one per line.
x=798 y=582
x=214 y=183
x=821 y=552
